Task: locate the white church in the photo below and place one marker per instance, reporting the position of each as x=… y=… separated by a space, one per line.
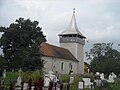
x=69 y=55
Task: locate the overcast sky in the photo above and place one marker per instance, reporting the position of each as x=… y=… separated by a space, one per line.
x=98 y=20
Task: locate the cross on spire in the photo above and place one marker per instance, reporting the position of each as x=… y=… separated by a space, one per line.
x=73 y=10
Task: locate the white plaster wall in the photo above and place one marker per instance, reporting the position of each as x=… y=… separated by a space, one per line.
x=54 y=64
x=77 y=50
x=80 y=57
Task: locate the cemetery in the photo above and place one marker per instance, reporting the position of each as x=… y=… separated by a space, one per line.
x=29 y=63
x=35 y=81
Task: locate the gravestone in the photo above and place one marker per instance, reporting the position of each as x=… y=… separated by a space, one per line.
x=80 y=85
x=102 y=76
x=19 y=80
x=25 y=86
x=112 y=76
x=48 y=78
x=71 y=77
x=97 y=74
x=4 y=73
x=46 y=81
x=111 y=79
x=87 y=82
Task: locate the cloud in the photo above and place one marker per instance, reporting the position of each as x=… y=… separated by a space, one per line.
x=98 y=20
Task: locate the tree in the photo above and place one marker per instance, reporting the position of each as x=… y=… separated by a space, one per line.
x=104 y=58
x=2 y=62
x=20 y=43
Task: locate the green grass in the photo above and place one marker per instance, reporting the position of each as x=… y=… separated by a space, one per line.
x=12 y=76
x=116 y=86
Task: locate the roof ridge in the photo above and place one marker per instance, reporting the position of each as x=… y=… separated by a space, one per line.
x=56 y=51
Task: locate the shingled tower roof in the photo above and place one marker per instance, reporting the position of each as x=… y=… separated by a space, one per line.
x=72 y=27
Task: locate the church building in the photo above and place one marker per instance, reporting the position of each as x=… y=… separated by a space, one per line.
x=69 y=55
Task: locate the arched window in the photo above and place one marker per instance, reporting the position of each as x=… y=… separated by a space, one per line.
x=62 y=66
x=70 y=65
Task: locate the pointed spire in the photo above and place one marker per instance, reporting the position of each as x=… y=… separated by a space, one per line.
x=72 y=27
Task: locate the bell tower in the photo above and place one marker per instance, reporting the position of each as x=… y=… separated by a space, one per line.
x=73 y=40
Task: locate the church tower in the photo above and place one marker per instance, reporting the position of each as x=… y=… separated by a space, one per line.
x=73 y=40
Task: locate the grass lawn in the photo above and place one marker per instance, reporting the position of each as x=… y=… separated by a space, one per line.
x=12 y=77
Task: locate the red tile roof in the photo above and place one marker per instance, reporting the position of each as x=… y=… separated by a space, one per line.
x=55 y=51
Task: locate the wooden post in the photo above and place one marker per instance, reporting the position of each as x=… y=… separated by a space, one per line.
x=30 y=84
x=35 y=85
x=40 y=84
x=55 y=86
x=50 y=85
x=22 y=83
x=68 y=86
x=61 y=86
x=11 y=86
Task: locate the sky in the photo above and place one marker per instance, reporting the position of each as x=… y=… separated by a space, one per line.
x=98 y=20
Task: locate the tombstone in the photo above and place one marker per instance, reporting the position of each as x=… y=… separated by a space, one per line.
x=98 y=82
x=80 y=85
x=97 y=74
x=87 y=82
x=4 y=73
x=112 y=76
x=102 y=76
x=19 y=79
x=18 y=83
x=55 y=79
x=46 y=82
x=50 y=77
x=12 y=70
x=71 y=77
x=25 y=86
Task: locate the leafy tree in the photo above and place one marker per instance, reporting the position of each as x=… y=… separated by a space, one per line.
x=104 y=58
x=20 y=43
x=2 y=62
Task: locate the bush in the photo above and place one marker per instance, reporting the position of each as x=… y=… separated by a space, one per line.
x=26 y=76
x=65 y=78
x=36 y=75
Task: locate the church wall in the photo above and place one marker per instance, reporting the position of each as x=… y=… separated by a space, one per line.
x=72 y=47
x=77 y=50
x=55 y=64
x=80 y=57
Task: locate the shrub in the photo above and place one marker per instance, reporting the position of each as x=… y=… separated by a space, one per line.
x=65 y=78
